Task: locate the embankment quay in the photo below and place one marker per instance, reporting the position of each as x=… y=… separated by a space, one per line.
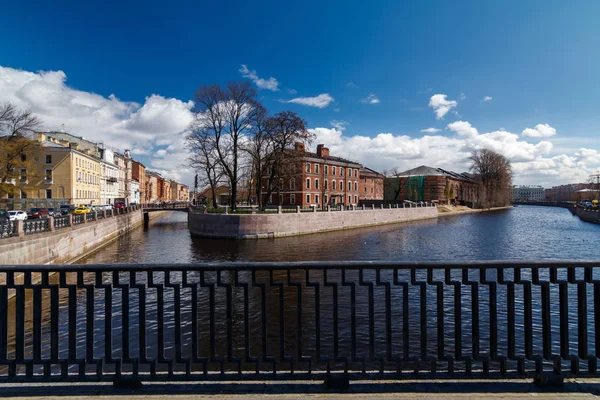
x=587 y=214
x=301 y=221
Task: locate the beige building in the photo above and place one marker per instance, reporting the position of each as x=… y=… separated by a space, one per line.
x=151 y=189
x=63 y=172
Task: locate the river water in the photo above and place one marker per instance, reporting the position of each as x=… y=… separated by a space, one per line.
x=521 y=233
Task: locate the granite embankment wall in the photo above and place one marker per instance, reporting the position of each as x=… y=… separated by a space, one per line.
x=257 y=226
x=65 y=245
x=589 y=215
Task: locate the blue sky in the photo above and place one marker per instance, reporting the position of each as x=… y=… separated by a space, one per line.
x=538 y=61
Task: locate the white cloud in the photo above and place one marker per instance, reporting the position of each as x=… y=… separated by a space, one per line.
x=339 y=125
x=336 y=109
x=292 y=91
x=160 y=153
x=532 y=162
x=430 y=130
x=352 y=85
x=540 y=131
x=486 y=98
x=441 y=105
x=463 y=129
x=269 y=84
x=462 y=96
x=320 y=101
x=370 y=99
x=120 y=124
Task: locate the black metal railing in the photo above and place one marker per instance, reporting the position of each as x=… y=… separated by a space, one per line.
x=61 y=222
x=91 y=216
x=8 y=229
x=36 y=226
x=299 y=321
x=109 y=213
x=78 y=219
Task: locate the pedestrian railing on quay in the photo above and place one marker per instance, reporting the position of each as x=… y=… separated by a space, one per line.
x=78 y=219
x=109 y=213
x=91 y=216
x=8 y=229
x=36 y=226
x=61 y=222
x=285 y=321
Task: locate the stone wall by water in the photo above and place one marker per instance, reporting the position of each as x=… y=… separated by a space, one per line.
x=257 y=226
x=65 y=245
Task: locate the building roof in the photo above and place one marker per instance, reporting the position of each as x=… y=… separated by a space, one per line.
x=369 y=171
x=424 y=170
x=47 y=143
x=326 y=158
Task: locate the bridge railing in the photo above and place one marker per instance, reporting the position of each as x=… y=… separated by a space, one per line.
x=350 y=320
x=166 y=205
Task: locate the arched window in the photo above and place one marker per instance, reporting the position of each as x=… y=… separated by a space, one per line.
x=325 y=186
x=317 y=184
x=308 y=183
x=349 y=186
x=356 y=186
x=333 y=185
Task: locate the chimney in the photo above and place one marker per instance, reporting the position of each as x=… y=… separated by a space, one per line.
x=299 y=146
x=322 y=151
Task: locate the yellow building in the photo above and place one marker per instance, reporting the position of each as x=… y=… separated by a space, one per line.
x=63 y=173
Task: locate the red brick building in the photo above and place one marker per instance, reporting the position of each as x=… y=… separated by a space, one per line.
x=370 y=185
x=320 y=179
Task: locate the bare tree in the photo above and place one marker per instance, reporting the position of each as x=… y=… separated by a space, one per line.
x=17 y=148
x=494 y=174
x=227 y=115
x=391 y=177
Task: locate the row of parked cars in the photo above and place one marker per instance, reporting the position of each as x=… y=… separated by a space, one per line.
x=65 y=209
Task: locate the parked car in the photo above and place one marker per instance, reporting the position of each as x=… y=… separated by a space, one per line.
x=119 y=205
x=66 y=209
x=107 y=207
x=4 y=217
x=82 y=210
x=37 y=213
x=51 y=212
x=17 y=215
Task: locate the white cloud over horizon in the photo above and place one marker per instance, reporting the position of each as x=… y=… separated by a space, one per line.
x=370 y=99
x=320 y=101
x=441 y=105
x=269 y=84
x=155 y=131
x=486 y=98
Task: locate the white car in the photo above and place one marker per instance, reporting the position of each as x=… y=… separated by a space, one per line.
x=17 y=215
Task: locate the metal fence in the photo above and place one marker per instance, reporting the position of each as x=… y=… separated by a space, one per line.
x=36 y=226
x=78 y=219
x=61 y=222
x=299 y=321
x=8 y=229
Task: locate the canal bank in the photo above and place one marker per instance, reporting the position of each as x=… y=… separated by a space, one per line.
x=284 y=224
x=446 y=210
x=69 y=244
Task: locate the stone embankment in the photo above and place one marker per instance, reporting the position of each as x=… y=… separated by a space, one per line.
x=446 y=210
x=258 y=226
x=66 y=244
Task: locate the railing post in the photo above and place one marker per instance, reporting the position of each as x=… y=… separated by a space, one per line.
x=104 y=213
x=95 y=215
x=328 y=208
x=70 y=219
x=278 y=209
x=297 y=209
x=381 y=206
x=20 y=228
x=84 y=215
x=51 y=223
x=363 y=207
x=341 y=207
x=372 y=206
x=314 y=208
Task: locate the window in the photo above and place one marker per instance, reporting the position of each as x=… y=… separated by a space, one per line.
x=355 y=173
x=349 y=186
x=308 y=199
x=326 y=199
x=23 y=157
x=325 y=185
x=366 y=190
x=23 y=194
x=341 y=171
x=341 y=185
x=371 y=190
x=316 y=168
x=308 y=168
x=355 y=199
x=317 y=198
x=292 y=199
x=316 y=184
x=48 y=193
x=355 y=186
x=292 y=184
x=48 y=159
x=23 y=177
x=333 y=185
x=349 y=199
x=326 y=169
x=308 y=183
x=332 y=170
x=48 y=175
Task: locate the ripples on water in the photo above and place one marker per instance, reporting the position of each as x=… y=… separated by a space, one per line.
x=522 y=233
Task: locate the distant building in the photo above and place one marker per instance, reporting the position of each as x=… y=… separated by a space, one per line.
x=570 y=192
x=370 y=186
x=527 y=193
x=138 y=174
x=109 y=176
x=431 y=185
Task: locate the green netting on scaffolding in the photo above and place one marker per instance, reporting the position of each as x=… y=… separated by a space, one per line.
x=414 y=188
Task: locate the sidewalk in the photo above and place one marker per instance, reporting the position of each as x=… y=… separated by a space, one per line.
x=511 y=389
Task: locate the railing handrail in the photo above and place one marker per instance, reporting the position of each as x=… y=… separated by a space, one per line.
x=313 y=265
